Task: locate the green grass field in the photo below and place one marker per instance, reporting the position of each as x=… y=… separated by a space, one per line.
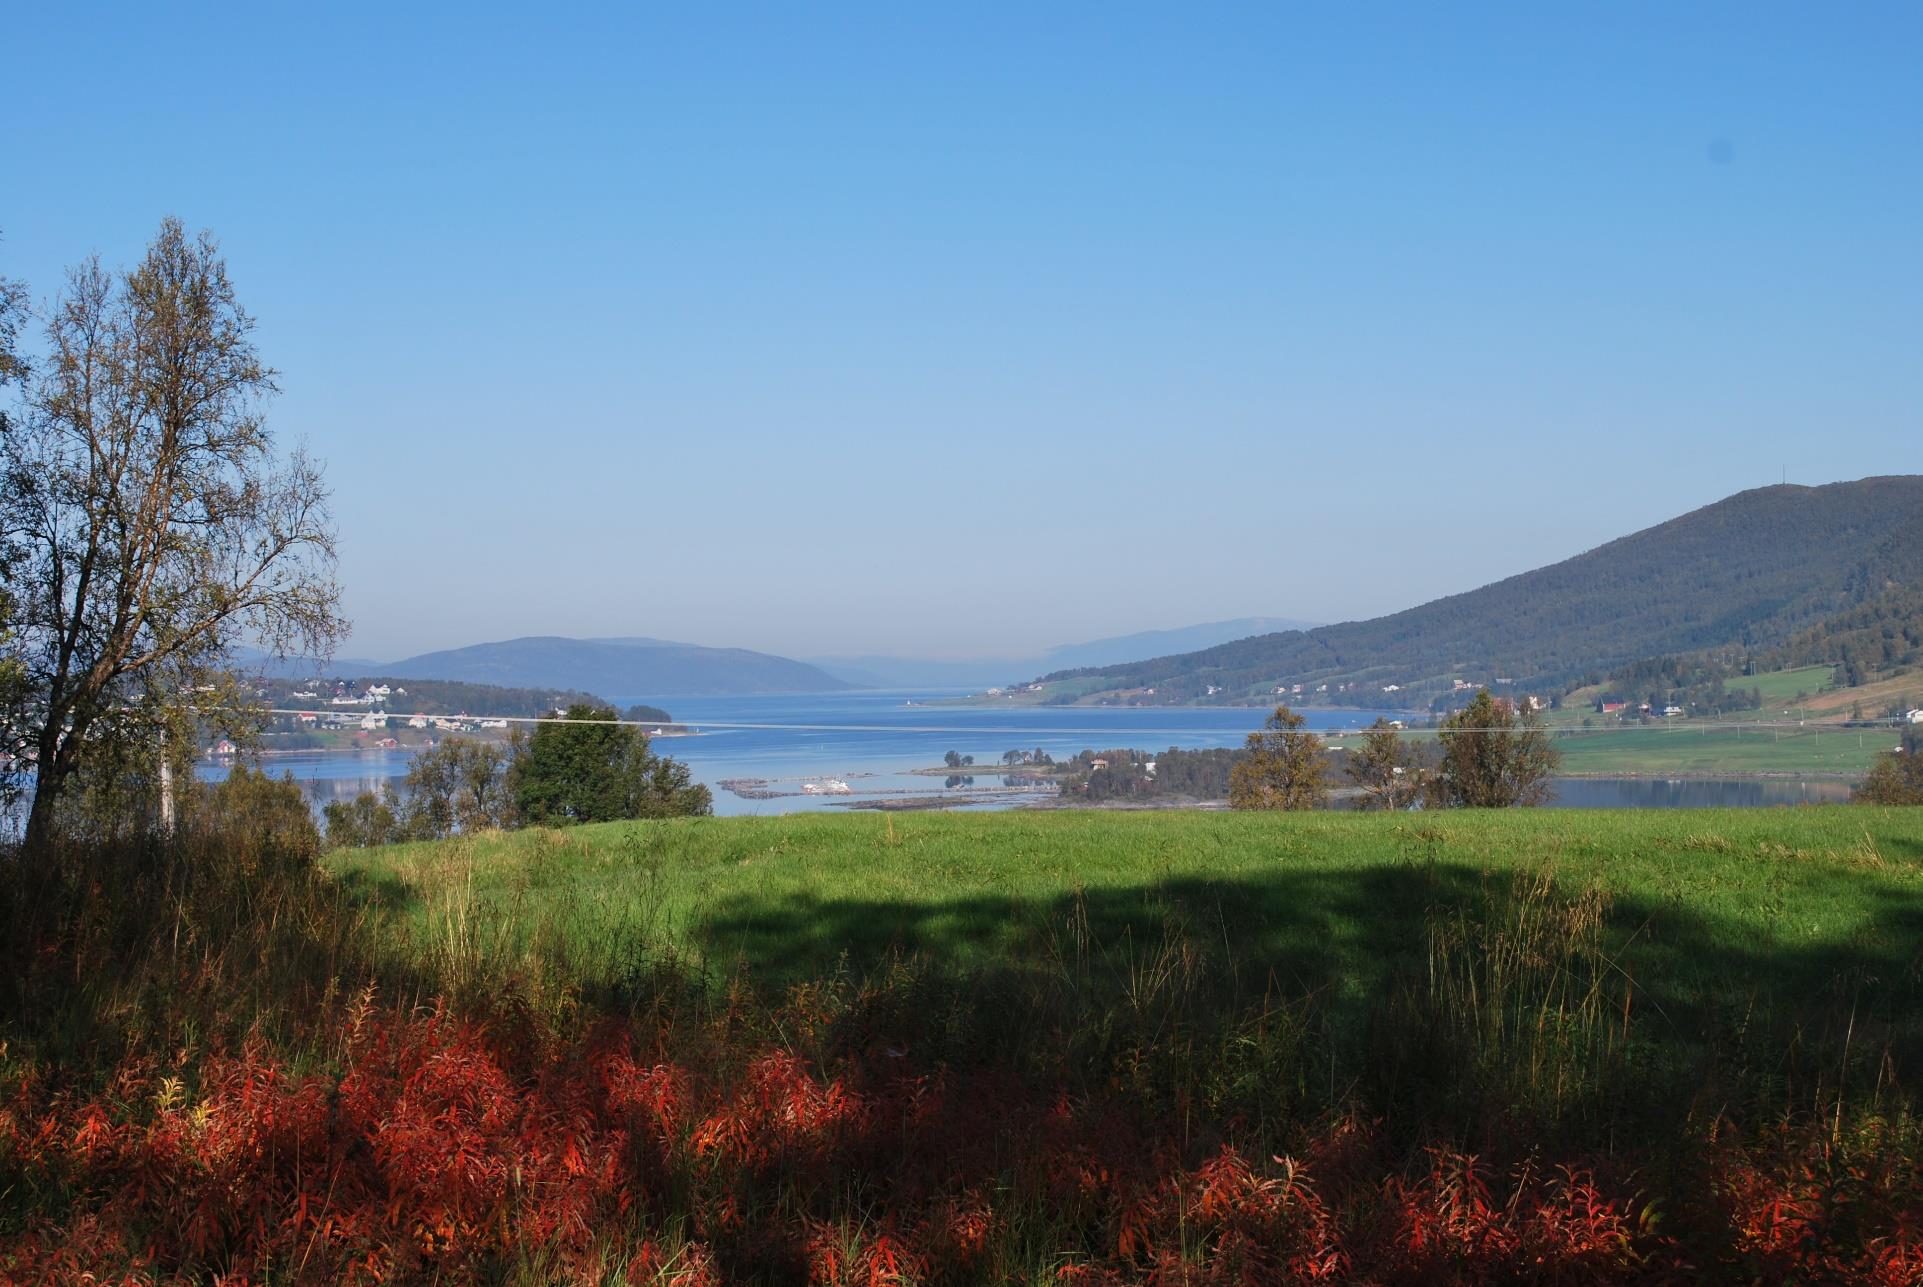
x=1322 y=899
x=1782 y=686
x=1701 y=748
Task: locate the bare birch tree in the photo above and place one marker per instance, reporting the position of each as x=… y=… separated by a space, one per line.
x=149 y=524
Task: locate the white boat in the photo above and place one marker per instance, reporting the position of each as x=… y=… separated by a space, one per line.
x=827 y=786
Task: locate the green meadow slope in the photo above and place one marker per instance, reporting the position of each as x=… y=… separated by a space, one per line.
x=1785 y=894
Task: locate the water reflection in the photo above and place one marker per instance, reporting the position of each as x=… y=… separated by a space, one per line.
x=326 y=776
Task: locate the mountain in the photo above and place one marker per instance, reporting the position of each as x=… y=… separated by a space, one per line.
x=1750 y=571
x=616 y=668
x=1160 y=643
x=911 y=672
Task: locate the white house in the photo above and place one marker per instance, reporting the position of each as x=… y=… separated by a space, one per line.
x=1914 y=717
x=417 y=721
x=379 y=690
x=1392 y=688
x=372 y=722
x=493 y=723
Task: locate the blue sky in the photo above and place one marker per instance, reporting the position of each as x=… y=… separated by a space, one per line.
x=873 y=329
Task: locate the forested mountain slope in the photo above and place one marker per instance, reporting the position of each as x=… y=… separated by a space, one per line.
x=1880 y=636
x=1751 y=571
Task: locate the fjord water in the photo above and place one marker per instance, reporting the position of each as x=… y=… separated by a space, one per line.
x=873 y=740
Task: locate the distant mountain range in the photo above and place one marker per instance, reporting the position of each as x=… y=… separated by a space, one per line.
x=638 y=666
x=1749 y=572
x=911 y=672
x=613 y=668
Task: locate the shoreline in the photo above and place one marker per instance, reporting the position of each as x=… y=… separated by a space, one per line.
x=385 y=750
x=983 y=771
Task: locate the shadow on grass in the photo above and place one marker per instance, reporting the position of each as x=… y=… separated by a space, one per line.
x=1387 y=957
x=369 y=888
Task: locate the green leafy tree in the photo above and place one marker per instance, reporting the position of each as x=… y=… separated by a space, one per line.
x=1493 y=757
x=1384 y=768
x=148 y=524
x=1282 y=767
x=586 y=767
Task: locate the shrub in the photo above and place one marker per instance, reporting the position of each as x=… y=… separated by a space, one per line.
x=1897 y=776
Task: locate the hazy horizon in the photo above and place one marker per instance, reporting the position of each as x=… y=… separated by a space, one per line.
x=1031 y=654
x=964 y=335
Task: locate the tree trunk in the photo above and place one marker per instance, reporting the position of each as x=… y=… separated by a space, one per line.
x=46 y=789
x=51 y=768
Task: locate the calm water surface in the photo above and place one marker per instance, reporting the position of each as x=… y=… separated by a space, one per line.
x=873 y=741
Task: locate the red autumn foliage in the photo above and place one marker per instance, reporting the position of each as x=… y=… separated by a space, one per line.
x=442 y=1149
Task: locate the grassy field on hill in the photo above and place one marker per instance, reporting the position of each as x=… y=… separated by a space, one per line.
x=1780 y=686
